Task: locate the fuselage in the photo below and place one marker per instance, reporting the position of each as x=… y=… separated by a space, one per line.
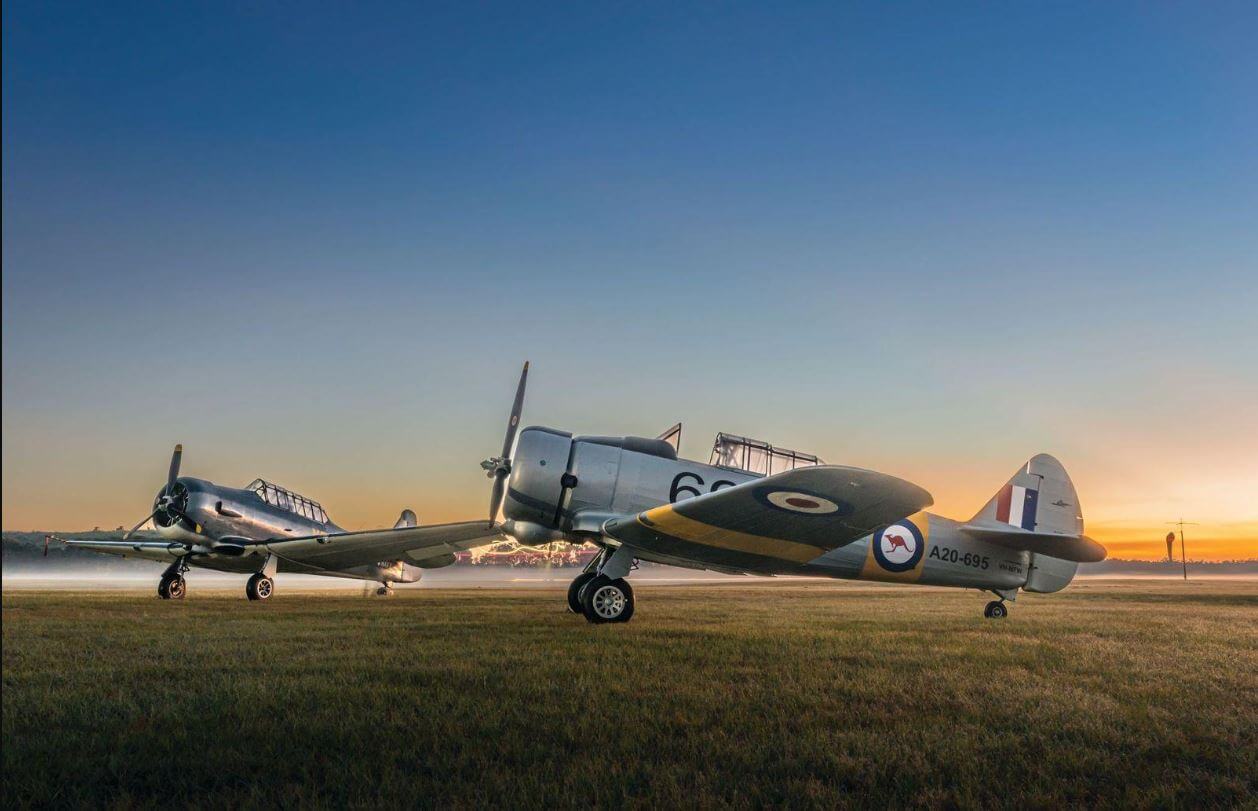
x=220 y=513
x=219 y=519
x=563 y=486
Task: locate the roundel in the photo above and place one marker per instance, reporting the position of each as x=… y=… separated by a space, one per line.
x=899 y=547
x=801 y=502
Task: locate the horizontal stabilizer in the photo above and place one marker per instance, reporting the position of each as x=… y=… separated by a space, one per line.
x=1078 y=548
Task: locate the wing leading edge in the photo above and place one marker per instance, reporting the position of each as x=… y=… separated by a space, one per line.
x=147 y=550
x=774 y=523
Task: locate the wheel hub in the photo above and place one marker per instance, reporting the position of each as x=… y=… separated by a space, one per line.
x=608 y=602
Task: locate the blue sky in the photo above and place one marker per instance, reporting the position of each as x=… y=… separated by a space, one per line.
x=315 y=242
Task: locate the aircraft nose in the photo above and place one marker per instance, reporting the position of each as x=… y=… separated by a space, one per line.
x=171 y=505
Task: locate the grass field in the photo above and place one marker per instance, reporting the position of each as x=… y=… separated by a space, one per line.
x=1112 y=693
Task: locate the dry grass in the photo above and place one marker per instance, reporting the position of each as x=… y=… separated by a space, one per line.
x=1112 y=693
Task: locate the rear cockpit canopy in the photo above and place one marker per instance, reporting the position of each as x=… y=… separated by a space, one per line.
x=756 y=456
x=286 y=499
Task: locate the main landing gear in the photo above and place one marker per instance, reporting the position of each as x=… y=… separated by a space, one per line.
x=606 y=600
x=172 y=585
x=261 y=585
x=385 y=590
x=601 y=593
x=996 y=610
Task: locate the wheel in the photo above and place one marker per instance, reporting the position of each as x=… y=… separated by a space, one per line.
x=384 y=591
x=605 y=600
x=172 y=587
x=259 y=587
x=996 y=610
x=574 y=591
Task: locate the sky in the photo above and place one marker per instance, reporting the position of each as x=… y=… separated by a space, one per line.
x=314 y=243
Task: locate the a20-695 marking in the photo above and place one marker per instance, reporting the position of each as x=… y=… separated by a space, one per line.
x=947 y=555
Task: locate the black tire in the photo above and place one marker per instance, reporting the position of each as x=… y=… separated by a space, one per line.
x=259 y=587
x=574 y=591
x=172 y=588
x=607 y=600
x=996 y=610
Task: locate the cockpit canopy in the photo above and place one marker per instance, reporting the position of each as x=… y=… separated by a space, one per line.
x=756 y=456
x=285 y=499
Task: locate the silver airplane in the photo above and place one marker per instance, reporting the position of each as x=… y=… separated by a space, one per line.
x=759 y=509
x=262 y=529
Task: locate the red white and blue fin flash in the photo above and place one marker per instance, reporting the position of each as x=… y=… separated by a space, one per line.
x=1016 y=505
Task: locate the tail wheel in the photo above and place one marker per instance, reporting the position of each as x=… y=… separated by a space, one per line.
x=172 y=588
x=996 y=610
x=259 y=587
x=574 y=591
x=606 y=600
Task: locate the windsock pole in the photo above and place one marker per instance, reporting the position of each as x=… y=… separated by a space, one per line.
x=1183 y=555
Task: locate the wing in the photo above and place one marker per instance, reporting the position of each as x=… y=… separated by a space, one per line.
x=775 y=523
x=349 y=549
x=148 y=550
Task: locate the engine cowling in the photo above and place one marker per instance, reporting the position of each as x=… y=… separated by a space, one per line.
x=535 y=488
x=558 y=480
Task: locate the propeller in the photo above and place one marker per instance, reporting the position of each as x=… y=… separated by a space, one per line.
x=175 y=459
x=166 y=499
x=499 y=467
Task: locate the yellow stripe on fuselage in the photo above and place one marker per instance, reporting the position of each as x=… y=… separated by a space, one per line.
x=665 y=520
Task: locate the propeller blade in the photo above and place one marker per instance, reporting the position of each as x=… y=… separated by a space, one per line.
x=503 y=462
x=174 y=466
x=495 y=495
x=513 y=423
x=137 y=526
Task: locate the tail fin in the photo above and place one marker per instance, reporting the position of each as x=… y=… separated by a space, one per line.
x=1038 y=498
x=1038 y=511
x=406 y=519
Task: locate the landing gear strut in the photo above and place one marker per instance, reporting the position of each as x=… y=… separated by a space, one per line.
x=172 y=585
x=996 y=610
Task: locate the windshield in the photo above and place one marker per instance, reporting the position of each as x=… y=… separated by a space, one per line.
x=286 y=499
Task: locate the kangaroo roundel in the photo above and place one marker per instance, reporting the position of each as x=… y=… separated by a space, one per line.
x=899 y=547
